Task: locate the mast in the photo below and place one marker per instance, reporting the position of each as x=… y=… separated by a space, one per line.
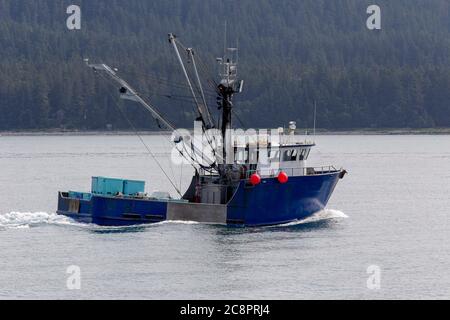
x=228 y=86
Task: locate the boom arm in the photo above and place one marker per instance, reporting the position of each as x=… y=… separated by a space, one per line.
x=202 y=108
x=128 y=93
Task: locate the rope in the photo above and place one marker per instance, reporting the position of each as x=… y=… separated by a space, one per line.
x=149 y=151
x=239 y=119
x=181 y=153
x=195 y=86
x=167 y=82
x=146 y=146
x=191 y=160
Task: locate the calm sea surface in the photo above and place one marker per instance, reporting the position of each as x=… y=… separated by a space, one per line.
x=391 y=213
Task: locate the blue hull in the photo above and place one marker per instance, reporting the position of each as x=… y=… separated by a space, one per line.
x=273 y=203
x=269 y=203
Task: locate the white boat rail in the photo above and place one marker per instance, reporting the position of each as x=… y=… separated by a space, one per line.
x=294 y=172
x=291 y=172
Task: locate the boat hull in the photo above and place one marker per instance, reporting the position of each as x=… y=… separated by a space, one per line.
x=269 y=203
x=273 y=203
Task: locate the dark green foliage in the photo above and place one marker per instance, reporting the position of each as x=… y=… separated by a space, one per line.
x=292 y=53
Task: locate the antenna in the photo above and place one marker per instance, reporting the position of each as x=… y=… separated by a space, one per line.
x=315 y=119
x=237 y=48
x=225 y=40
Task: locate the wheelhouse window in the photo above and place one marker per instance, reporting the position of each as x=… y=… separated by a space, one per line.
x=287 y=155
x=294 y=155
x=304 y=154
x=290 y=155
x=298 y=154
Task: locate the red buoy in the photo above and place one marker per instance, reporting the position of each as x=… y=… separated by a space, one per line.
x=283 y=177
x=255 y=179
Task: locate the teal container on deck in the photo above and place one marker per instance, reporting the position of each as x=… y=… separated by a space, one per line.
x=107 y=186
x=133 y=187
x=111 y=187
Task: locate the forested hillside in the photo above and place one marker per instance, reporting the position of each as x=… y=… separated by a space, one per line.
x=292 y=53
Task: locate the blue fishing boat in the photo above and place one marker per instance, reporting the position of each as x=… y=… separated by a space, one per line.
x=240 y=179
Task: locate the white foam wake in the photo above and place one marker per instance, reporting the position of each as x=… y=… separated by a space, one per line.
x=327 y=214
x=178 y=222
x=25 y=220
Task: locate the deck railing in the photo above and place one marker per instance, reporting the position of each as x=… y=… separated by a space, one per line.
x=293 y=172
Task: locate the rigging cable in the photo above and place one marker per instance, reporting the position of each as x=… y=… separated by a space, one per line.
x=194 y=92
x=165 y=81
x=145 y=145
x=239 y=119
x=180 y=98
x=191 y=161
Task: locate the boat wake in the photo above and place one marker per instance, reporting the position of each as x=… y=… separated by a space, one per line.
x=327 y=214
x=26 y=220
x=177 y=222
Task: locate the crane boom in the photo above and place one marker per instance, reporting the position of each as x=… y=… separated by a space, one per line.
x=203 y=110
x=128 y=93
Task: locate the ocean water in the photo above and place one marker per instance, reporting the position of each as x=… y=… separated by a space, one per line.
x=384 y=235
